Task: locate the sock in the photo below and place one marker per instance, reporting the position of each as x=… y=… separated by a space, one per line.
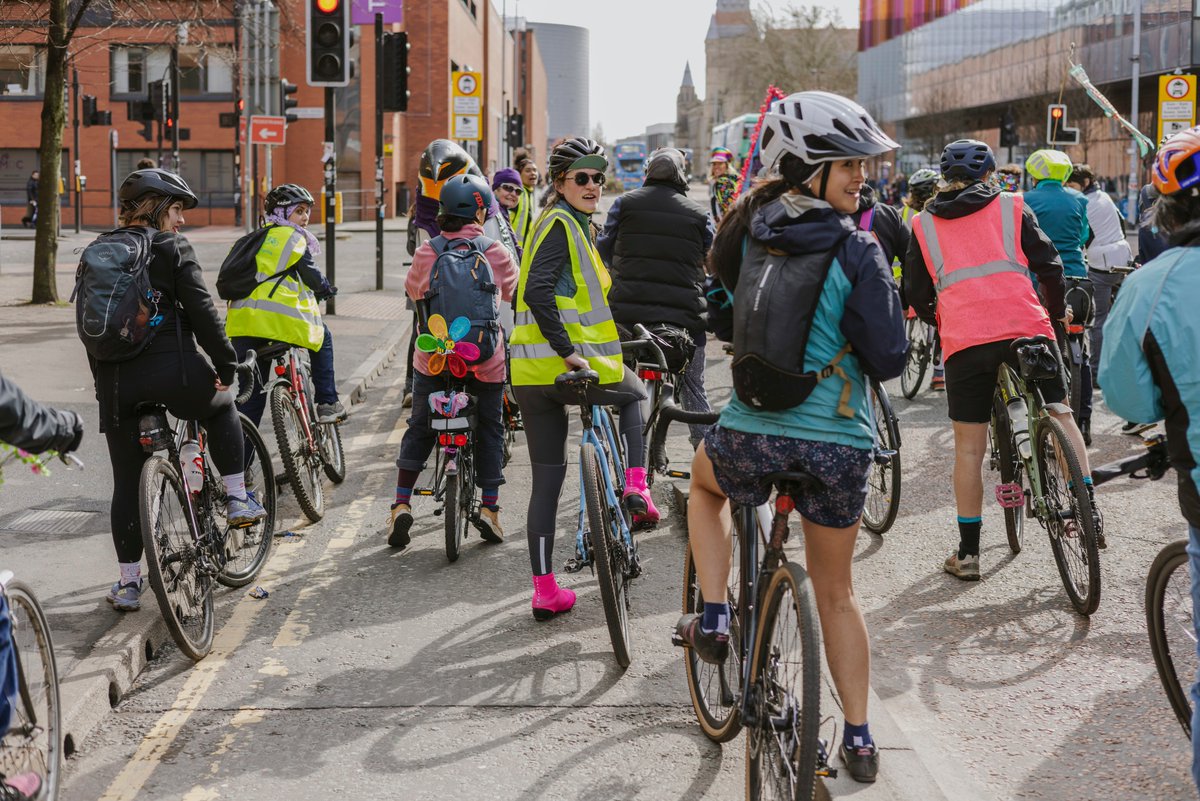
x=405 y=481
x=715 y=618
x=968 y=535
x=131 y=572
x=1087 y=480
x=856 y=736
x=491 y=499
x=235 y=486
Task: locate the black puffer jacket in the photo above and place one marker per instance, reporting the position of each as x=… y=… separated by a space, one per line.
x=655 y=241
x=31 y=426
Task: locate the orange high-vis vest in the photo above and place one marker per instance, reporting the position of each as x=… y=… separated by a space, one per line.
x=984 y=288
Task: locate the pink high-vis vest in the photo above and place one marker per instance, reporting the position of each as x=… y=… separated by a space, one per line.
x=984 y=288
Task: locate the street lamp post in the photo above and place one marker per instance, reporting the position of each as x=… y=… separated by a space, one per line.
x=1134 y=155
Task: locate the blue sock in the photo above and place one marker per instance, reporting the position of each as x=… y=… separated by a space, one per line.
x=856 y=736
x=715 y=618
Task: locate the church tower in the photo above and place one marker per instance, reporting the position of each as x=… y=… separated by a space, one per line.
x=689 y=115
x=731 y=21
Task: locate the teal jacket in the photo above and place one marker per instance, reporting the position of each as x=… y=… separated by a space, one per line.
x=1150 y=363
x=1062 y=214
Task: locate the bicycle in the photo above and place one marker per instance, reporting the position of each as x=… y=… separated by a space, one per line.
x=662 y=381
x=189 y=546
x=924 y=349
x=454 y=470
x=306 y=446
x=772 y=617
x=1074 y=348
x=1056 y=494
x=883 y=481
x=33 y=742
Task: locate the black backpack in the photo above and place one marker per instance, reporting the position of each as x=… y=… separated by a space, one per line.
x=774 y=304
x=461 y=284
x=117 y=311
x=238 y=276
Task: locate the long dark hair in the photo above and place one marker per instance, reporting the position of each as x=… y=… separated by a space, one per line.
x=1177 y=215
x=725 y=257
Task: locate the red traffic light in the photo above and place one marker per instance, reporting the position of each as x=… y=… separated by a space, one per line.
x=1056 y=113
x=328 y=6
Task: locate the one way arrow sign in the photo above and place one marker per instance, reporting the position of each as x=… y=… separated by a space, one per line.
x=268 y=130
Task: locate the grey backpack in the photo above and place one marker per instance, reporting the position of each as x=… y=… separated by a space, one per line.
x=461 y=284
x=116 y=309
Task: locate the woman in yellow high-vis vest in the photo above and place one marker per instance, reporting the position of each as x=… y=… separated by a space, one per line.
x=563 y=323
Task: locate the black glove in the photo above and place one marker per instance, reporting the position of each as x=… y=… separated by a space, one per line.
x=327 y=292
x=78 y=438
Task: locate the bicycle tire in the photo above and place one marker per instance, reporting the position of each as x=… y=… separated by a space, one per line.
x=883 y=482
x=782 y=746
x=33 y=741
x=1075 y=549
x=1076 y=382
x=333 y=453
x=607 y=556
x=289 y=435
x=182 y=590
x=1165 y=615
x=460 y=494
x=917 y=360
x=717 y=713
x=1011 y=469
x=254 y=543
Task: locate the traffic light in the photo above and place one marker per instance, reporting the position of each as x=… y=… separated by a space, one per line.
x=1008 y=131
x=147 y=131
x=1057 y=132
x=285 y=101
x=516 y=129
x=160 y=98
x=395 y=72
x=329 y=35
x=88 y=115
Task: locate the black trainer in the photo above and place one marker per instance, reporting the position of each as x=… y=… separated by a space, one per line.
x=711 y=646
x=862 y=762
x=401 y=521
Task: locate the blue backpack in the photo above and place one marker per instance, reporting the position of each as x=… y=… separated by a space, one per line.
x=461 y=284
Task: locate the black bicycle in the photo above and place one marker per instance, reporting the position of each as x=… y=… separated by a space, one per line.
x=883 y=481
x=1080 y=301
x=924 y=349
x=662 y=378
x=454 y=468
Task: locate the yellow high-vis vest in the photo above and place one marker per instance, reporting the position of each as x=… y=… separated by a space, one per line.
x=284 y=310
x=522 y=219
x=585 y=315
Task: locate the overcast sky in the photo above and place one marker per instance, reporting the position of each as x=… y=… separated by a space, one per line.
x=639 y=48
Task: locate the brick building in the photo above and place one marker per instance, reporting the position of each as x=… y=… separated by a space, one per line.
x=122 y=46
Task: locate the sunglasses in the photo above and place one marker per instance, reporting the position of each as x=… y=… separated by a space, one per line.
x=510 y=188
x=583 y=178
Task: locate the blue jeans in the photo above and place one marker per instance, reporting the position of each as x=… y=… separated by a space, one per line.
x=1193 y=550
x=320 y=364
x=8 y=667
x=419 y=440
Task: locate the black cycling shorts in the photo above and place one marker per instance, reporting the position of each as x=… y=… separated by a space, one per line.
x=971 y=380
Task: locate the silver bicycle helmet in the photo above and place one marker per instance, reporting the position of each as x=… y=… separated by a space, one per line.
x=818 y=127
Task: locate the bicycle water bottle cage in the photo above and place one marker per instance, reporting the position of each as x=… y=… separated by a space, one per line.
x=154 y=433
x=1010 y=496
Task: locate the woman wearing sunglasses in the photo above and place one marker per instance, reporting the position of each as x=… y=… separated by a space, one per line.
x=506 y=185
x=563 y=323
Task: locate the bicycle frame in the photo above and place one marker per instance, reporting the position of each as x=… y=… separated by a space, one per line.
x=1010 y=385
x=288 y=372
x=603 y=438
x=454 y=433
x=185 y=430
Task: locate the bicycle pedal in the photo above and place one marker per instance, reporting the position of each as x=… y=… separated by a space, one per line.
x=679 y=474
x=826 y=772
x=574 y=565
x=1010 y=496
x=425 y=493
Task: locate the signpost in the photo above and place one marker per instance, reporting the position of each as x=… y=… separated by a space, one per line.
x=1176 y=104
x=268 y=130
x=362 y=12
x=467 y=106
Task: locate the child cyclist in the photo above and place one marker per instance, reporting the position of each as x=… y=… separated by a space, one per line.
x=464 y=203
x=817 y=142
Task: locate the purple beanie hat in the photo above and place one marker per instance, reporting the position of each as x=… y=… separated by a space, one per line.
x=506 y=176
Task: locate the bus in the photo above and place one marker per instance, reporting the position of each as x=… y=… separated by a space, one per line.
x=630 y=168
x=735 y=135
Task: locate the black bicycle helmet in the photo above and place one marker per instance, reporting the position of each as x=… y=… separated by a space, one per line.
x=286 y=195
x=440 y=161
x=1082 y=172
x=465 y=195
x=967 y=159
x=576 y=153
x=141 y=184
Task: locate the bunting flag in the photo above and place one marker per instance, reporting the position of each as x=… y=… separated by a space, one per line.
x=773 y=93
x=1080 y=76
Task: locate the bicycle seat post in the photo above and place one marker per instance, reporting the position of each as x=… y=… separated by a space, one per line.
x=784 y=505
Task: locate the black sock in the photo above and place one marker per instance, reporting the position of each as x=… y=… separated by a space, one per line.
x=968 y=536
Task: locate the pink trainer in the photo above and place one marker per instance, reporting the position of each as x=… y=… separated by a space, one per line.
x=637 y=498
x=549 y=599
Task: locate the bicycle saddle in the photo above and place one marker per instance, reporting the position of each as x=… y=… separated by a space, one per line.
x=578 y=378
x=1040 y=339
x=272 y=349
x=789 y=482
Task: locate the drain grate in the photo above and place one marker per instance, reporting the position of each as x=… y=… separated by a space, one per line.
x=49 y=521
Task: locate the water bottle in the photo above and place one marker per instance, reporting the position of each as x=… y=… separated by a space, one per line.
x=1018 y=416
x=193 y=465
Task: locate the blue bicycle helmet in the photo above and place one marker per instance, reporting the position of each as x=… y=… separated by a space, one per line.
x=464 y=196
x=967 y=159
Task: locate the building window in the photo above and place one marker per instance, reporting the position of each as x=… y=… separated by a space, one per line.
x=209 y=173
x=471 y=8
x=129 y=70
x=22 y=70
x=202 y=71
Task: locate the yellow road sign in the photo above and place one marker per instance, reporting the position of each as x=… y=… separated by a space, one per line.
x=1176 y=104
x=466 y=112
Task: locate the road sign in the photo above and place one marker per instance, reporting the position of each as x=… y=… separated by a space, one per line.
x=468 y=106
x=362 y=12
x=242 y=129
x=1176 y=104
x=267 y=130
x=308 y=113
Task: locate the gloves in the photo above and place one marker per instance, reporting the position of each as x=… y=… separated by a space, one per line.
x=78 y=438
x=326 y=292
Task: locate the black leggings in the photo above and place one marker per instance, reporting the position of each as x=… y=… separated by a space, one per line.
x=155 y=377
x=545 y=412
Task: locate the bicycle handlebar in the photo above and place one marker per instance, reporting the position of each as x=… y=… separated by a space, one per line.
x=645 y=342
x=1154 y=462
x=245 y=372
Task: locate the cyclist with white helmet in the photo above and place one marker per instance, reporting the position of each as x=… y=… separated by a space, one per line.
x=818 y=143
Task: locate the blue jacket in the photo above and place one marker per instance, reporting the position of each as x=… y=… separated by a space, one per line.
x=1151 y=359
x=859 y=304
x=1062 y=214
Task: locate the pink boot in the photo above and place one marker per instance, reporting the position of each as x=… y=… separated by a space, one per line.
x=637 y=498
x=549 y=599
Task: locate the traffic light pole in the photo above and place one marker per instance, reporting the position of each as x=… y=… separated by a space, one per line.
x=75 y=126
x=330 y=196
x=379 y=211
x=1131 y=197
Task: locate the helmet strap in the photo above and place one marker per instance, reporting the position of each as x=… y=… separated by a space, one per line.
x=826 y=168
x=161 y=209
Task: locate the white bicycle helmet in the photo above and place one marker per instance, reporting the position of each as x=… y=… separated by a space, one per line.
x=818 y=127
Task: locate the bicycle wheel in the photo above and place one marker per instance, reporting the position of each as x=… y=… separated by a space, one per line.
x=33 y=741
x=785 y=692
x=883 y=481
x=1069 y=519
x=917 y=360
x=460 y=500
x=333 y=455
x=714 y=688
x=1172 y=631
x=1012 y=470
x=608 y=554
x=183 y=589
x=299 y=461
x=247 y=549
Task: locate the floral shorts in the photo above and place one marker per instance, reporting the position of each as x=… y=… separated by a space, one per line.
x=740 y=460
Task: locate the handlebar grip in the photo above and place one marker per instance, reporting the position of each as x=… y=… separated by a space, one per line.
x=677 y=415
x=246 y=371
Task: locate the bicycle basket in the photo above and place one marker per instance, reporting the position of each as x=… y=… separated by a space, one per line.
x=1037 y=361
x=154 y=433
